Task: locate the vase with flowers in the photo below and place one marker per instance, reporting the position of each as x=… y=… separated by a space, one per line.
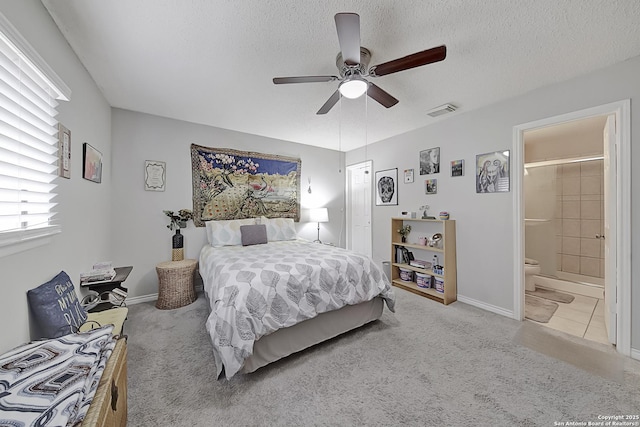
x=178 y=221
x=404 y=232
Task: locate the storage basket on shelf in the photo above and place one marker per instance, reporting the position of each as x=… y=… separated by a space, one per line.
x=423 y=280
x=406 y=275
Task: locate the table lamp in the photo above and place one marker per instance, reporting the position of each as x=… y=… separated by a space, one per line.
x=318 y=215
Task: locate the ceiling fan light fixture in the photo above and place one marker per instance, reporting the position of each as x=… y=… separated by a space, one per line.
x=353 y=88
x=352 y=62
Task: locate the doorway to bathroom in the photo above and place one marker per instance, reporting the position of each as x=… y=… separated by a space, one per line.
x=571 y=185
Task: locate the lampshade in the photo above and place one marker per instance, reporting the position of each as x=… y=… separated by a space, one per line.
x=318 y=215
x=353 y=87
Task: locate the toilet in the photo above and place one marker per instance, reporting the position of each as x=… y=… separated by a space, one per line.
x=531 y=268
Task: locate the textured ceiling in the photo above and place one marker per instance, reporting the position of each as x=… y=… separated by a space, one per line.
x=212 y=61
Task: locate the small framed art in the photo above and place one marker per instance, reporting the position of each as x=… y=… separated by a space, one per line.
x=430 y=186
x=408 y=176
x=457 y=167
x=91 y=163
x=155 y=175
x=387 y=187
x=64 y=151
x=430 y=161
x=492 y=172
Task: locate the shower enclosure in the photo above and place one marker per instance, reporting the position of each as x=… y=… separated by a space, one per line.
x=564 y=219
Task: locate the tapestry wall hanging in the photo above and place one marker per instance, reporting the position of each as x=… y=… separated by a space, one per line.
x=231 y=184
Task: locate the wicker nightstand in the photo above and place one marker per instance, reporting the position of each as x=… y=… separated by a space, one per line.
x=175 y=287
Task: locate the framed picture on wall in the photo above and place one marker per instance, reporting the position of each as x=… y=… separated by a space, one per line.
x=155 y=175
x=387 y=187
x=457 y=167
x=430 y=186
x=492 y=172
x=64 y=151
x=91 y=163
x=408 y=176
x=430 y=161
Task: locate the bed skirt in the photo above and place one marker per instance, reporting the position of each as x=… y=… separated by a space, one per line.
x=324 y=326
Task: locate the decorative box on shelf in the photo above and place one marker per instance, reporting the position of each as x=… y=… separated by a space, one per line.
x=406 y=214
x=420 y=263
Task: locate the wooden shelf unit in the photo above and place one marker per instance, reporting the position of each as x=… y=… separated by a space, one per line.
x=446 y=256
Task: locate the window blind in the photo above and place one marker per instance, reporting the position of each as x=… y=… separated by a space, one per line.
x=28 y=143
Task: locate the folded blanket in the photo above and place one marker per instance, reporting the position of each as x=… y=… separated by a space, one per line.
x=52 y=382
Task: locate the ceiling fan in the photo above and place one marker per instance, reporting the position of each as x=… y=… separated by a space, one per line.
x=352 y=62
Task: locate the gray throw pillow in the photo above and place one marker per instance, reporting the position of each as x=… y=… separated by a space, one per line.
x=55 y=307
x=253 y=234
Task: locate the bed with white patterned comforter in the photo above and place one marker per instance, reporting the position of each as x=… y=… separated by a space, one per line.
x=256 y=290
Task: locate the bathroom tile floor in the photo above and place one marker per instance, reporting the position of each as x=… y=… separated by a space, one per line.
x=583 y=317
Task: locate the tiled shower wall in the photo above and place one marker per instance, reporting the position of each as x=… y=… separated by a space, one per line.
x=580 y=218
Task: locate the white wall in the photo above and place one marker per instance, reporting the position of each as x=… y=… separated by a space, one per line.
x=140 y=237
x=485 y=221
x=581 y=143
x=83 y=206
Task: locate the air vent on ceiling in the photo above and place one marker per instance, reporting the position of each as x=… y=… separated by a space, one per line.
x=442 y=109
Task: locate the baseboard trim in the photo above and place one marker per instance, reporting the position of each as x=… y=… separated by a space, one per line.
x=635 y=354
x=153 y=297
x=483 y=305
x=141 y=299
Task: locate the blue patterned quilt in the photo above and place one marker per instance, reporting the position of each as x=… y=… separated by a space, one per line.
x=256 y=290
x=52 y=382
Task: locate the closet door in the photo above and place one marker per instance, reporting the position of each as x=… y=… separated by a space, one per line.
x=359 y=208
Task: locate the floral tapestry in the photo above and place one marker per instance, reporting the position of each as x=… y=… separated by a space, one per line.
x=231 y=184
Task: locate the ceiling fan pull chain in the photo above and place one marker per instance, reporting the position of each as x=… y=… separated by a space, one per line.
x=366 y=125
x=340 y=137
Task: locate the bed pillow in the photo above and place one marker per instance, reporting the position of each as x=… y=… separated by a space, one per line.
x=253 y=234
x=226 y=232
x=280 y=229
x=56 y=308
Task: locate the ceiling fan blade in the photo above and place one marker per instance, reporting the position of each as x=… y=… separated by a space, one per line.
x=380 y=95
x=304 y=79
x=348 y=26
x=411 y=61
x=330 y=103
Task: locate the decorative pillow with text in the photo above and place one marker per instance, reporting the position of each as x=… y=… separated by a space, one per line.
x=56 y=308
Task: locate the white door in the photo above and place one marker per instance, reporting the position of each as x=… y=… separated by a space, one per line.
x=610 y=212
x=359 y=208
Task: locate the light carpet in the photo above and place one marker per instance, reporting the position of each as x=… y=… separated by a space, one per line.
x=538 y=309
x=426 y=365
x=551 y=295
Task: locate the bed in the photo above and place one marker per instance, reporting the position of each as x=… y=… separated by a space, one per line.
x=283 y=294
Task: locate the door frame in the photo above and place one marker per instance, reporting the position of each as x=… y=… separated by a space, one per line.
x=622 y=111
x=367 y=164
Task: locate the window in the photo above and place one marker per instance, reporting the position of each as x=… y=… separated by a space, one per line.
x=29 y=90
